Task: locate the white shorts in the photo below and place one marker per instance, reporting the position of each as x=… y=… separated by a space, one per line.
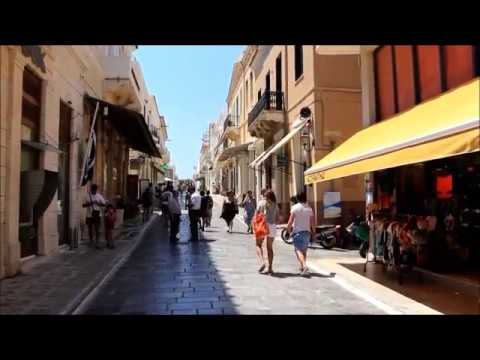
x=272 y=228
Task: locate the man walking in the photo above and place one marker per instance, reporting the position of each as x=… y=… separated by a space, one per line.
x=175 y=213
x=209 y=208
x=302 y=227
x=194 y=213
x=147 y=202
x=94 y=202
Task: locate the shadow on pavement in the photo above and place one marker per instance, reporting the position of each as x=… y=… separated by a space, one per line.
x=161 y=278
x=312 y=275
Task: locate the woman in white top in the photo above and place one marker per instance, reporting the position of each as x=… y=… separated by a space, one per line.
x=301 y=225
x=268 y=205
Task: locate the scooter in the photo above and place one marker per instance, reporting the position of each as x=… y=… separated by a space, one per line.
x=327 y=236
x=360 y=230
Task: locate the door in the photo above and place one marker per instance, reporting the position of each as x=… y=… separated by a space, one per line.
x=278 y=81
x=63 y=216
x=267 y=90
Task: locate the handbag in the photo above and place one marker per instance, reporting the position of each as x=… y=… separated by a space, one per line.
x=259 y=225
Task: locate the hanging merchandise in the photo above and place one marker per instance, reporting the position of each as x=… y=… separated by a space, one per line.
x=444 y=186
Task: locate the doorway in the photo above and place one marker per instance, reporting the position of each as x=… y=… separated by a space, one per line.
x=63 y=217
x=278 y=82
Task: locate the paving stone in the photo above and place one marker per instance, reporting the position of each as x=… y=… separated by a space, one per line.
x=190 y=306
x=184 y=312
x=197 y=299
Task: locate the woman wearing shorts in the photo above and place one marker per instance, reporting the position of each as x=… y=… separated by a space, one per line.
x=268 y=205
x=301 y=225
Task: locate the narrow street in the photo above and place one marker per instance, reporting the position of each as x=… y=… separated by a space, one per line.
x=218 y=276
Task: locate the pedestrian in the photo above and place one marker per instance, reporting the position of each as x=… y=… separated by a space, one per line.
x=209 y=208
x=147 y=202
x=187 y=199
x=194 y=213
x=175 y=214
x=203 y=209
x=229 y=210
x=110 y=219
x=249 y=204
x=268 y=206
x=301 y=226
x=94 y=202
x=165 y=198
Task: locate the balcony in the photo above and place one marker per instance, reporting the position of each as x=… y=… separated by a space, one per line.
x=230 y=128
x=124 y=84
x=268 y=115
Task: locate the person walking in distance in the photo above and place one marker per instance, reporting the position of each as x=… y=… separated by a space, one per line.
x=301 y=225
x=94 y=202
x=147 y=202
x=209 y=208
x=175 y=214
x=194 y=213
x=203 y=209
x=249 y=204
x=110 y=219
x=229 y=210
x=268 y=205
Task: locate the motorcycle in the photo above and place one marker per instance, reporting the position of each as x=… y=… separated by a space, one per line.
x=360 y=230
x=327 y=236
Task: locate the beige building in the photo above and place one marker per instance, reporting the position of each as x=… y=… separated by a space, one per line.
x=267 y=144
x=49 y=96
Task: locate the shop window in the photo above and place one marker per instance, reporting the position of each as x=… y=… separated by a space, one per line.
x=429 y=71
x=405 y=76
x=385 y=82
x=298 y=61
x=459 y=62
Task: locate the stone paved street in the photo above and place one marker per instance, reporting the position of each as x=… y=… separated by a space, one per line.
x=218 y=275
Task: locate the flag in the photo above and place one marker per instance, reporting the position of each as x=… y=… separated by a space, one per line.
x=87 y=170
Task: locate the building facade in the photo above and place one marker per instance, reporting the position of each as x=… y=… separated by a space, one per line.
x=265 y=142
x=49 y=98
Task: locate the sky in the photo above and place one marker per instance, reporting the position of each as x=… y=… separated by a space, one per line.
x=190 y=84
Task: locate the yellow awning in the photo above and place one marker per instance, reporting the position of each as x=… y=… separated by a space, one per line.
x=445 y=126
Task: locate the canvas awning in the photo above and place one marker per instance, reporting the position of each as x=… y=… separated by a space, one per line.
x=131 y=125
x=297 y=126
x=445 y=126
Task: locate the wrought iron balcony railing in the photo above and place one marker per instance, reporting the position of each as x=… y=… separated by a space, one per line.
x=270 y=100
x=230 y=120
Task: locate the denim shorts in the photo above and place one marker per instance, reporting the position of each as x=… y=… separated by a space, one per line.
x=301 y=240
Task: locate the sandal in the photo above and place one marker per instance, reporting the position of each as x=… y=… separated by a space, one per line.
x=261 y=268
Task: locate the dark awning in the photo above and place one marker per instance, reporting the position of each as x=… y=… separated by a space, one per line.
x=131 y=125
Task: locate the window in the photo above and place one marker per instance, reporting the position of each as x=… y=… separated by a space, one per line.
x=385 y=82
x=246 y=93
x=298 y=61
x=459 y=63
x=31 y=110
x=406 y=75
x=251 y=87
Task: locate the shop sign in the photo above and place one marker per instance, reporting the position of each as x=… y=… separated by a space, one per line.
x=332 y=205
